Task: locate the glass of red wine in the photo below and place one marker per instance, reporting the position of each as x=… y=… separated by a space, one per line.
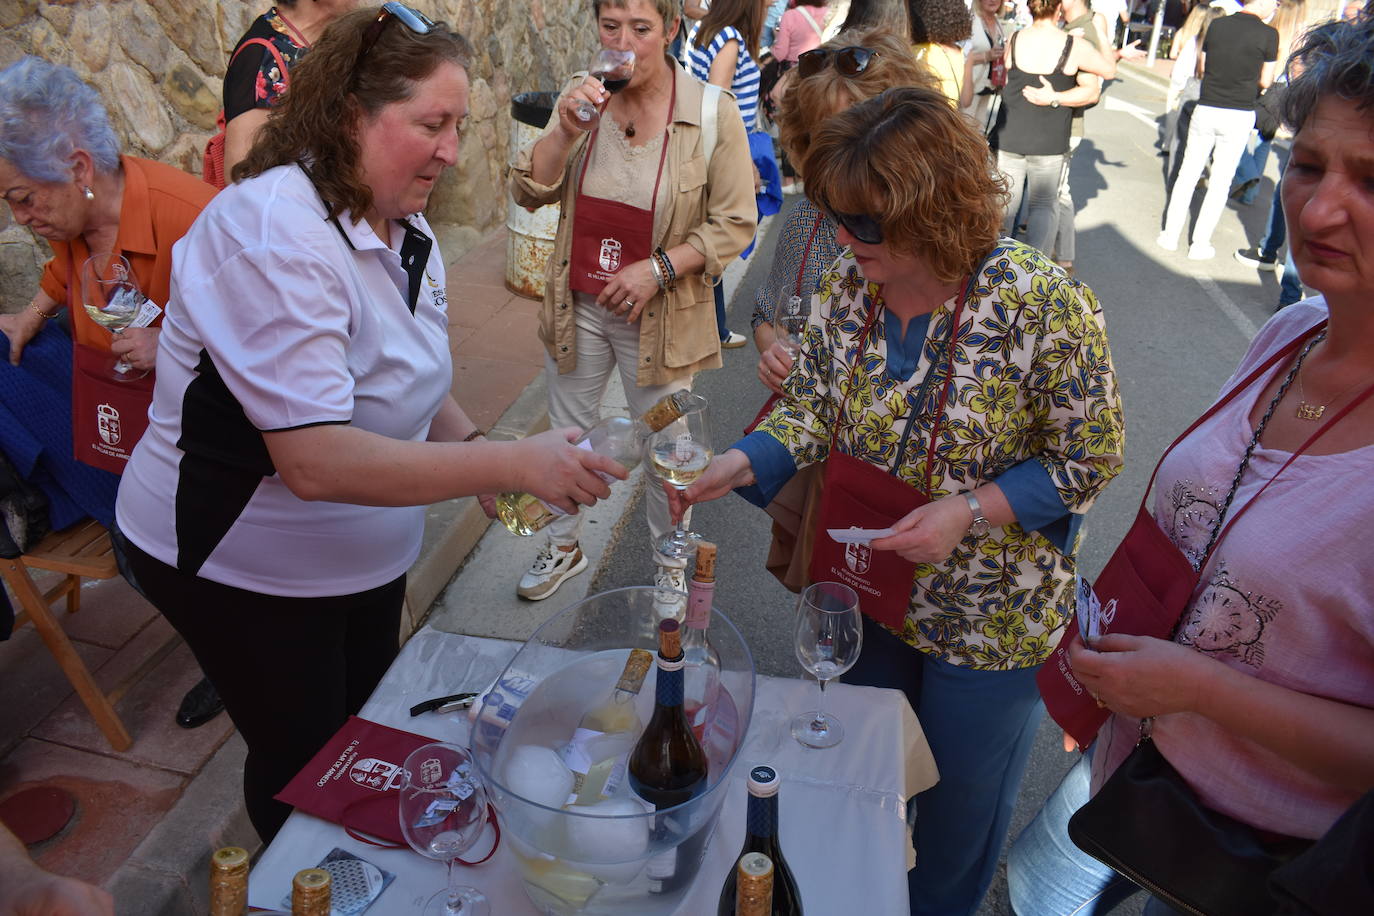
x=614 y=67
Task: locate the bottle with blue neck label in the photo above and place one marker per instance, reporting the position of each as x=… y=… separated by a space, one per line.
x=762 y=836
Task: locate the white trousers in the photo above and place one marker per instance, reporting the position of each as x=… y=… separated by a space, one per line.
x=606 y=342
x=1220 y=133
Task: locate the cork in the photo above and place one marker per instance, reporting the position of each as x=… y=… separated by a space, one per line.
x=706 y=562
x=662 y=413
x=229 y=881
x=310 y=893
x=754 y=885
x=636 y=669
x=670 y=639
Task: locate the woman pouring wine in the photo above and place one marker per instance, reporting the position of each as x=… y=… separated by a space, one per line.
x=656 y=190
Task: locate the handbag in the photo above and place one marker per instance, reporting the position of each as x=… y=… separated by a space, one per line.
x=212 y=160
x=1146 y=823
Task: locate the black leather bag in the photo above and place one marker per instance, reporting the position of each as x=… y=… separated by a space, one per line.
x=23 y=512
x=1146 y=823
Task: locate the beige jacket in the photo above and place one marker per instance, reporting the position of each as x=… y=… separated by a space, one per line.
x=713 y=211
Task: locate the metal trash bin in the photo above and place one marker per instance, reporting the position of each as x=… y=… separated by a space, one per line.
x=529 y=243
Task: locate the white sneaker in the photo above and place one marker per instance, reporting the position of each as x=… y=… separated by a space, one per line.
x=552 y=567
x=1201 y=252
x=734 y=341
x=669 y=600
x=1168 y=244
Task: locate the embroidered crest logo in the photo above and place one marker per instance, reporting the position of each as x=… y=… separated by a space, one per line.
x=1108 y=613
x=857 y=556
x=375 y=774
x=609 y=258
x=107 y=421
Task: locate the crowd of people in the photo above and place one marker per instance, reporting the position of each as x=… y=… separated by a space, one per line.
x=953 y=383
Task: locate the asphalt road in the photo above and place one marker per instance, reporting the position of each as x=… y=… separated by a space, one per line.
x=1176 y=327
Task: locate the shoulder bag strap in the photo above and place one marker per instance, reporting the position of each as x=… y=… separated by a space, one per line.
x=820 y=33
x=710 y=108
x=276 y=55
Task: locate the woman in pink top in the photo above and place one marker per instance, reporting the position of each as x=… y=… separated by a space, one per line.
x=1263 y=699
x=800 y=31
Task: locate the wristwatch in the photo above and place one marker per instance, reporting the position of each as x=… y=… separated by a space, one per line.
x=1054 y=102
x=980 y=525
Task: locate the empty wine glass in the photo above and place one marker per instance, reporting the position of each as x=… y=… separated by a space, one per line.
x=829 y=636
x=443 y=809
x=679 y=454
x=111 y=297
x=614 y=67
x=789 y=321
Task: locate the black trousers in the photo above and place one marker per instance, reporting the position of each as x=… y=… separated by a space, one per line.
x=290 y=670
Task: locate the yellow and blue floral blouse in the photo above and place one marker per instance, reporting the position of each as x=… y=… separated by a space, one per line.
x=1033 y=407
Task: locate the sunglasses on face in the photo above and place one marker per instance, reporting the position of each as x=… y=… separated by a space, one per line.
x=860 y=225
x=850 y=61
x=414 y=20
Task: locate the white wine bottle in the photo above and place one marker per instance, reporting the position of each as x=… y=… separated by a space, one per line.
x=620 y=438
x=701 y=663
x=761 y=836
x=601 y=745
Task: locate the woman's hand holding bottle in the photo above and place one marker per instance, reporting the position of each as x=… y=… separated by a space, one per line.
x=560 y=473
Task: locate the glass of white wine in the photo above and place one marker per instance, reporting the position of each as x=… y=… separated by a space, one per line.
x=614 y=67
x=111 y=298
x=679 y=453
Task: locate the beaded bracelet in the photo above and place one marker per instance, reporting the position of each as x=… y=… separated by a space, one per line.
x=473 y=435
x=667 y=268
x=42 y=314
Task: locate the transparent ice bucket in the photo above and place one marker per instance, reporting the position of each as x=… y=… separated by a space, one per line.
x=574 y=863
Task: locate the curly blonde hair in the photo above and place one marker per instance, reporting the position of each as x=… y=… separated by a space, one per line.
x=810 y=101
x=919 y=168
x=317 y=120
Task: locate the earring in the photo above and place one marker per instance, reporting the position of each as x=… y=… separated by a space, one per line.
x=89 y=194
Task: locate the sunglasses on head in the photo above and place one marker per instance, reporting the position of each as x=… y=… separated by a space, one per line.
x=860 y=225
x=414 y=20
x=850 y=61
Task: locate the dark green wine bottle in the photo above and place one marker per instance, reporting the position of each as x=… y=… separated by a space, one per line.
x=762 y=836
x=668 y=766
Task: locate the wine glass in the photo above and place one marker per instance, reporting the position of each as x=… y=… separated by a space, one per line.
x=829 y=636
x=111 y=297
x=679 y=453
x=789 y=321
x=443 y=808
x=614 y=67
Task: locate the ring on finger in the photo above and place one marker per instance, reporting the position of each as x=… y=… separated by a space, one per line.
x=628 y=303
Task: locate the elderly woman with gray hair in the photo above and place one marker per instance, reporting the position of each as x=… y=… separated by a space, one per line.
x=63 y=176
x=1262 y=699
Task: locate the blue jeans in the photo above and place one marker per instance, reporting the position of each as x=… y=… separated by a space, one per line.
x=981 y=727
x=1047 y=875
x=722 y=328
x=1290 y=286
x=1251 y=168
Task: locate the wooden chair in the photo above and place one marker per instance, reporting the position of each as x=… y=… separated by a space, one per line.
x=81 y=551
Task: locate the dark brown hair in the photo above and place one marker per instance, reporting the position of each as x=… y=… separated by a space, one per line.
x=920 y=168
x=941 y=22
x=810 y=101
x=744 y=15
x=317 y=120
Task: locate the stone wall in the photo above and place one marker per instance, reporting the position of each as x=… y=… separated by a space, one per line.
x=159 y=64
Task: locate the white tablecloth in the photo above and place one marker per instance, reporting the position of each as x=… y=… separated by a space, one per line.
x=842 y=810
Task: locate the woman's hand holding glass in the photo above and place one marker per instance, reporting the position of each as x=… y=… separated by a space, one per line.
x=611 y=71
x=790 y=317
x=112 y=299
x=728 y=470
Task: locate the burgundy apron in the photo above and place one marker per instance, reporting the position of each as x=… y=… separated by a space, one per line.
x=608 y=234
x=856 y=493
x=1147 y=584
x=108 y=416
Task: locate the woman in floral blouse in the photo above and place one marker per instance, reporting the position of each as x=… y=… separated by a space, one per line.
x=1016 y=429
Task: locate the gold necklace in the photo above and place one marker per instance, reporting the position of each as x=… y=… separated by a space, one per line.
x=1313 y=412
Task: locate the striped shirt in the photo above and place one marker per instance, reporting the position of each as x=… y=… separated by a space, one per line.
x=745 y=85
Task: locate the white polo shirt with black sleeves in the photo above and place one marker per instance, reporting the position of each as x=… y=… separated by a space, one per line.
x=280 y=319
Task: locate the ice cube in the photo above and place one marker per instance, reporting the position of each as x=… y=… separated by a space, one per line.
x=608 y=836
x=539 y=775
